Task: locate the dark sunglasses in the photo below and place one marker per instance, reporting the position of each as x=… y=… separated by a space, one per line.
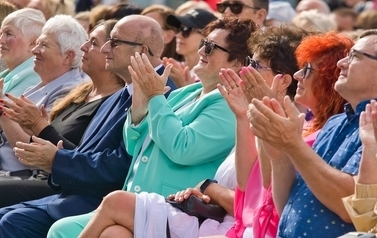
x=186 y=31
x=305 y=72
x=116 y=42
x=235 y=8
x=210 y=46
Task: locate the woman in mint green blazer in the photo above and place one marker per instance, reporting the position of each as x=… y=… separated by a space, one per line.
x=175 y=142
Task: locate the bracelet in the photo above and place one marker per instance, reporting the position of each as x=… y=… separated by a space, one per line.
x=206 y=183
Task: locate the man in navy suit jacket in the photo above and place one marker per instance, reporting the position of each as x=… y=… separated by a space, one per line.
x=100 y=164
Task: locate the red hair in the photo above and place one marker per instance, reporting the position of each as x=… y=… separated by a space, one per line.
x=325 y=50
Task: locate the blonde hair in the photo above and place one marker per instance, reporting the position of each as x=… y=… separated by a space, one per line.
x=55 y=7
x=77 y=95
x=314 y=20
x=5 y=9
x=83 y=16
x=97 y=14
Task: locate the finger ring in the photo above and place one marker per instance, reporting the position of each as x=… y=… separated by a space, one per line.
x=249 y=88
x=235 y=86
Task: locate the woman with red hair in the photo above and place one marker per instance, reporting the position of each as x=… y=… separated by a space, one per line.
x=317 y=56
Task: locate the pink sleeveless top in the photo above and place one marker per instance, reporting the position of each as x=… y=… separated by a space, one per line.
x=254 y=207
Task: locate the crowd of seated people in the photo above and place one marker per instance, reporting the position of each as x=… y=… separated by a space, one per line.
x=111 y=109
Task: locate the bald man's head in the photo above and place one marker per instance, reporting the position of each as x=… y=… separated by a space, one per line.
x=144 y=30
x=306 y=5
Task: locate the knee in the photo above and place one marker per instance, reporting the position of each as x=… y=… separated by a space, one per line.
x=116 y=200
x=116 y=231
x=8 y=224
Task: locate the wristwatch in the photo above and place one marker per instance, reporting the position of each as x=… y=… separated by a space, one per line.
x=206 y=183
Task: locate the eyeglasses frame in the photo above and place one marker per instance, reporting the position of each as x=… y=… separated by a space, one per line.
x=352 y=54
x=114 y=42
x=213 y=46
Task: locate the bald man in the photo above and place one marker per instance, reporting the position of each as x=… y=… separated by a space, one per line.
x=319 y=5
x=100 y=164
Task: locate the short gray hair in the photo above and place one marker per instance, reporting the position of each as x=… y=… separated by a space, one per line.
x=29 y=21
x=69 y=34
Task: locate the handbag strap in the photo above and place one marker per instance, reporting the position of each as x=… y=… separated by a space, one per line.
x=167 y=230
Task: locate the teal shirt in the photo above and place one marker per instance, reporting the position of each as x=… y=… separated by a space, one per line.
x=20 y=78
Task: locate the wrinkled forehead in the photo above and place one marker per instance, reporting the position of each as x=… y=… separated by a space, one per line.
x=368 y=44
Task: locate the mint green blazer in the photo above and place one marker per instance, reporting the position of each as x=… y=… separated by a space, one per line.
x=20 y=78
x=189 y=139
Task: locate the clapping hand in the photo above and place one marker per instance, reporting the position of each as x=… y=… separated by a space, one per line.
x=38 y=154
x=255 y=86
x=24 y=112
x=281 y=129
x=180 y=72
x=149 y=81
x=232 y=92
x=368 y=125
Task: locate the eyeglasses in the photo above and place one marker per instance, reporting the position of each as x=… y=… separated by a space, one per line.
x=210 y=46
x=235 y=8
x=115 y=42
x=351 y=55
x=305 y=72
x=255 y=64
x=186 y=31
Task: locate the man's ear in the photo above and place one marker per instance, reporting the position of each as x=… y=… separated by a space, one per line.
x=261 y=15
x=144 y=49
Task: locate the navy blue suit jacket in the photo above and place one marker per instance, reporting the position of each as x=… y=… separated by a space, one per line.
x=97 y=167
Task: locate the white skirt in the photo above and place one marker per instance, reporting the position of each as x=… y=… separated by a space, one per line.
x=151 y=214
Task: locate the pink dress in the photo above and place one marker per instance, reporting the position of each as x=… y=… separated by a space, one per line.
x=254 y=207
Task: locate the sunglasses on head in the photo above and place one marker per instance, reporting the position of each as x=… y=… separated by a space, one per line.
x=305 y=72
x=116 y=42
x=186 y=31
x=235 y=8
x=210 y=46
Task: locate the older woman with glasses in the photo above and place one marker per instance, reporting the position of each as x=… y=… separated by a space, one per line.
x=315 y=90
x=188 y=37
x=178 y=142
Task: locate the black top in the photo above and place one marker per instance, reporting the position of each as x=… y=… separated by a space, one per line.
x=70 y=125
